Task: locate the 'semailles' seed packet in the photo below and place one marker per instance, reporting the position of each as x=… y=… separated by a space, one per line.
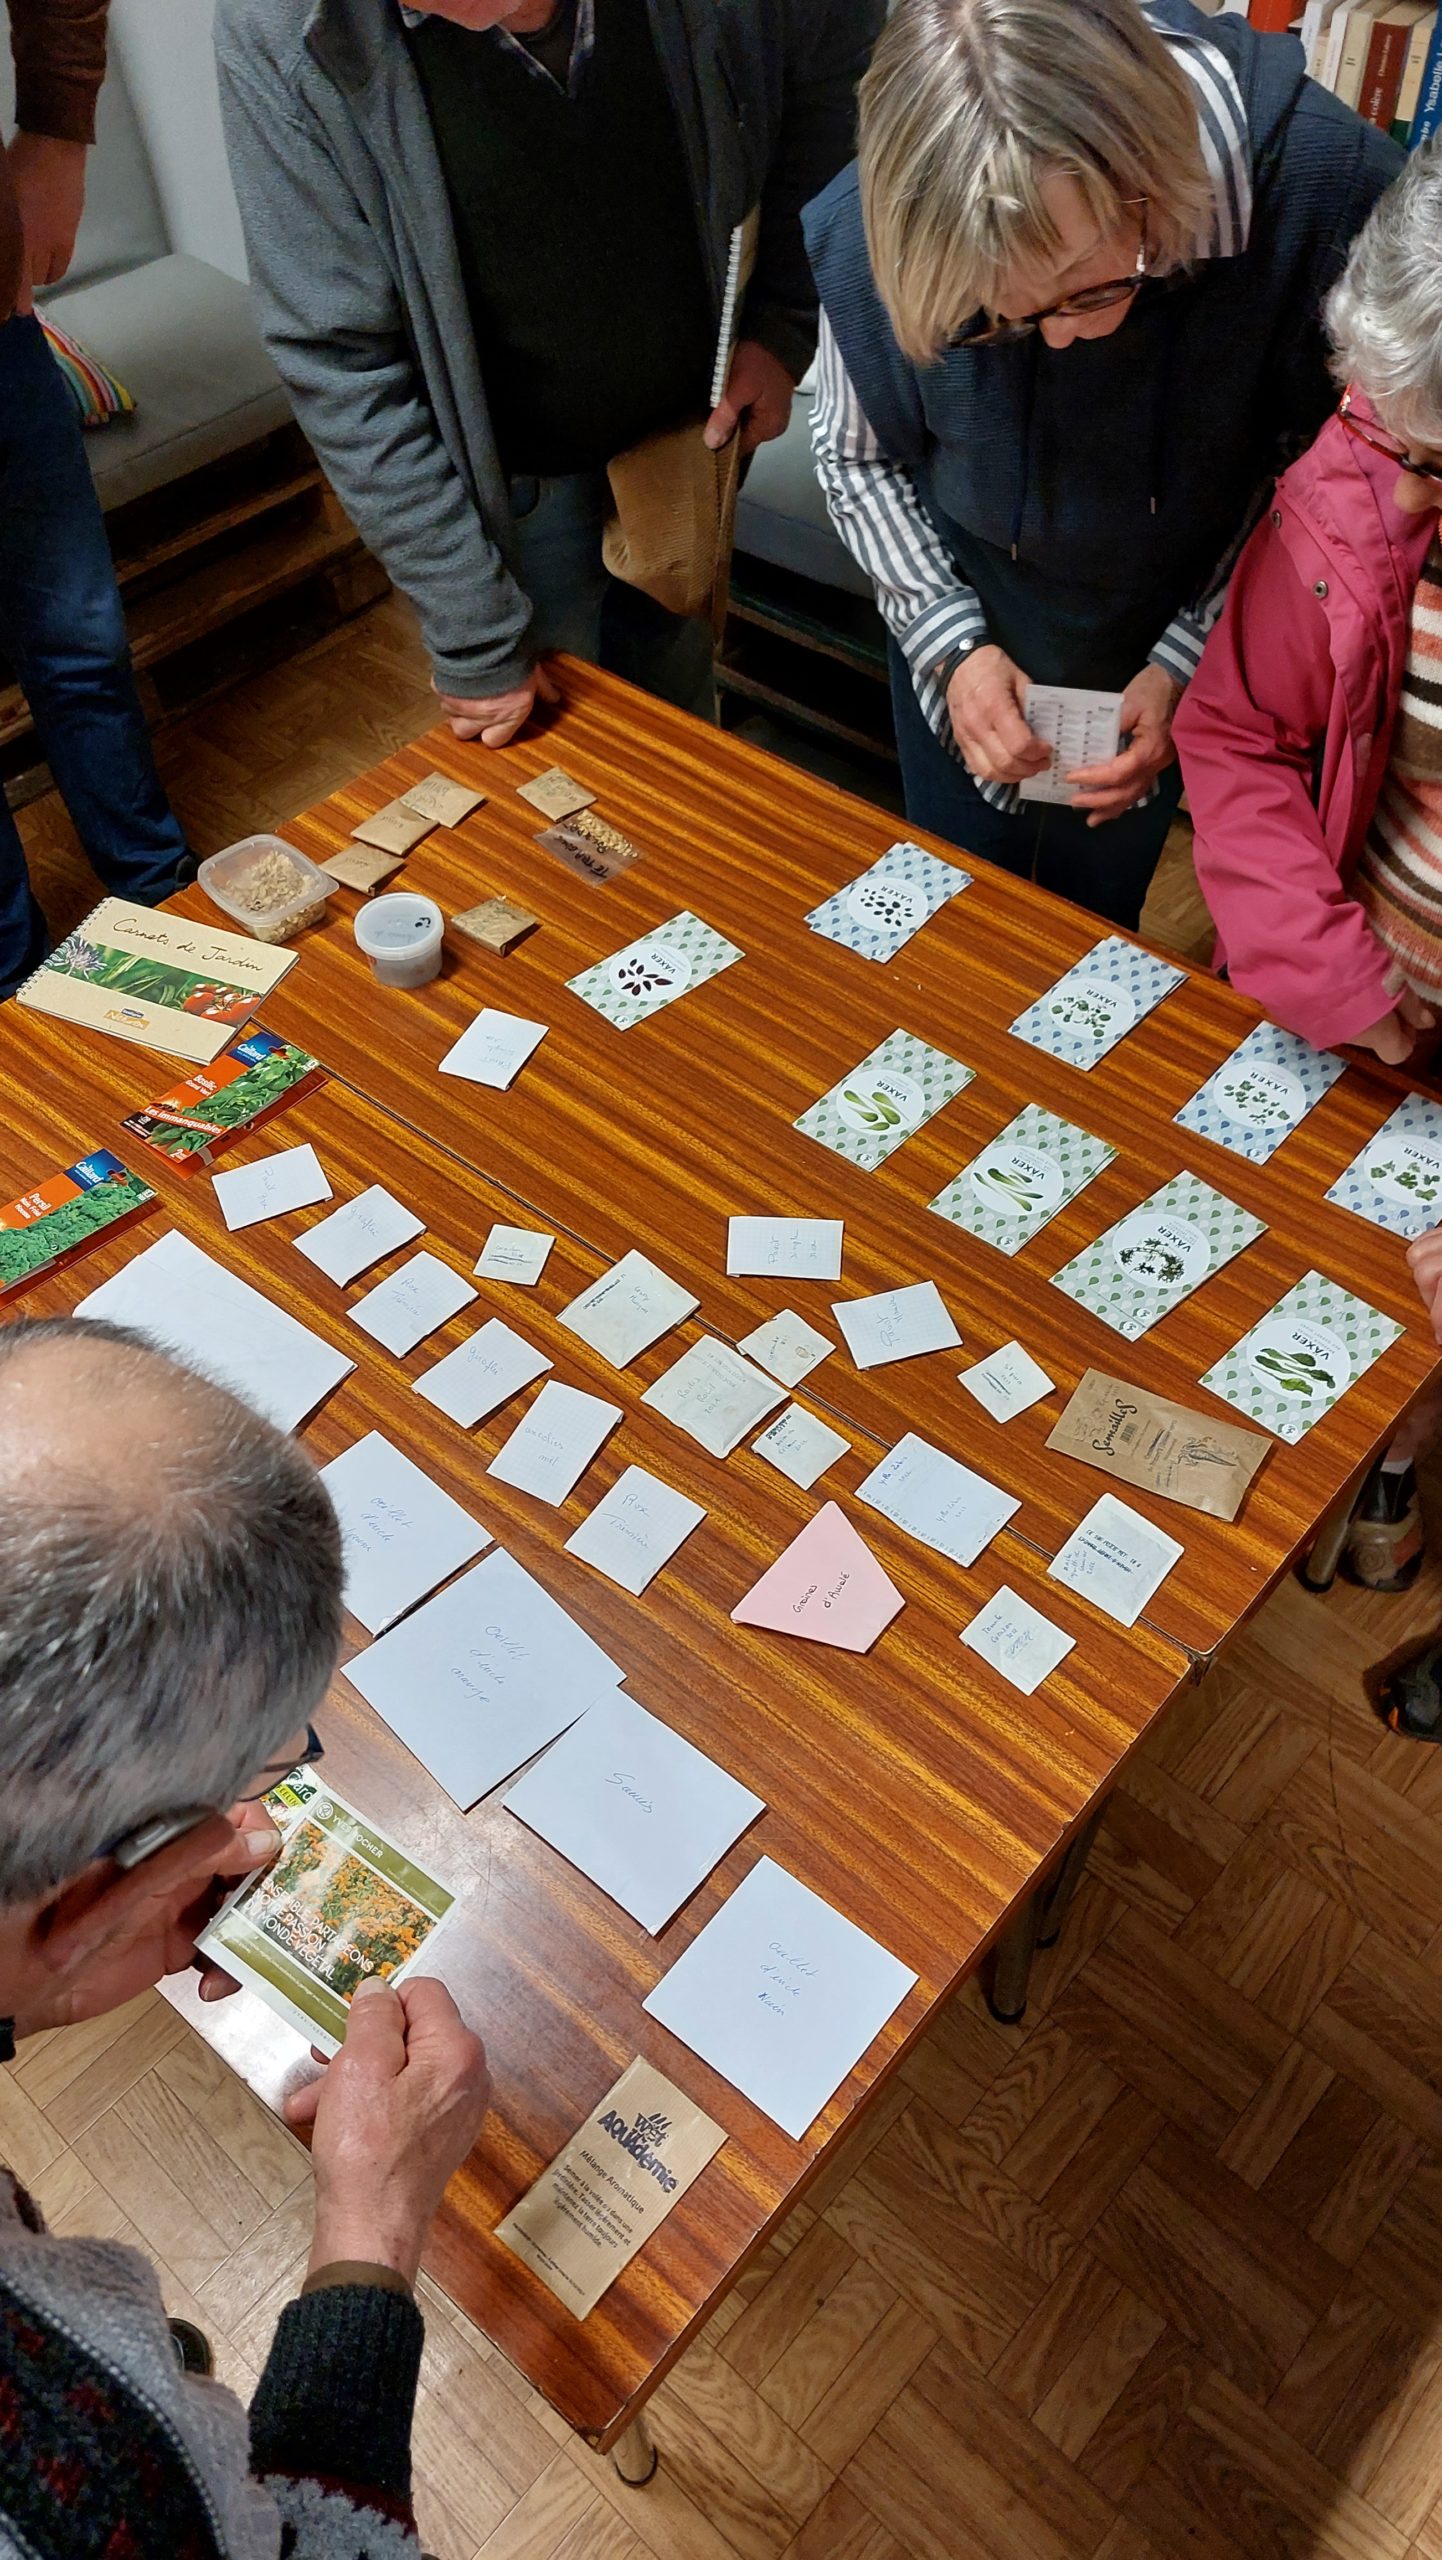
x=1296 y=1364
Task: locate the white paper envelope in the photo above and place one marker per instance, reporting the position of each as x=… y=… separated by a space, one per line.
x=638 y=1809
x=402 y=1532
x=493 y=1049
x=627 y=1309
x=554 y=1442
x=900 y=1324
x=781 y=1995
x=294 y=1179
x=517 y=1254
x=481 y=1374
x=364 y=1230
x=197 y=1309
x=714 y=1394
x=482 y=1677
x=1117 y=1559
x=412 y=1302
x=635 y=1529
x=785 y=1248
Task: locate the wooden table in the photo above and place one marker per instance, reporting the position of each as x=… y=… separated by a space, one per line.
x=912 y=1787
x=654 y=1136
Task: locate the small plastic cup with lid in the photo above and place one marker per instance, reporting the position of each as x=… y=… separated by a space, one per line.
x=401 y=937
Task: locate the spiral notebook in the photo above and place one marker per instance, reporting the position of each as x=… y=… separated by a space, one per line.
x=165 y=981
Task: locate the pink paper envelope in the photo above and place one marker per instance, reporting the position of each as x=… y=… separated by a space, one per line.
x=827 y=1586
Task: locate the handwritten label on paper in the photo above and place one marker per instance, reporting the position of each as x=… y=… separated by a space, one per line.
x=359 y=1233
x=781 y=1995
x=401 y=1533
x=483 y=1676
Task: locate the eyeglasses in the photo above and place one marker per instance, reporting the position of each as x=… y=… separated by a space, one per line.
x=147 y=1839
x=1392 y=446
x=982 y=332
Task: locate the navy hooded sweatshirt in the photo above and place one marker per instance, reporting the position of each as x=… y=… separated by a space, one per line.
x=1088 y=493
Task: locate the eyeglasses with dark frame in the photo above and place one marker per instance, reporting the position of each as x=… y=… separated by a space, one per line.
x=1092 y=297
x=147 y=1839
x=1391 y=446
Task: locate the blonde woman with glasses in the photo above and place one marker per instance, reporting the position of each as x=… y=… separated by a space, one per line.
x=1071 y=330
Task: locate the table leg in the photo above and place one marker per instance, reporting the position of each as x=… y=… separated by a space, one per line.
x=1058 y=1896
x=635 y=2455
x=1039 y=1923
x=1319 y=1571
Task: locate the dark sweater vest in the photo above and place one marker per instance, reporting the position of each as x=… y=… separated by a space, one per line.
x=579 y=240
x=1088 y=492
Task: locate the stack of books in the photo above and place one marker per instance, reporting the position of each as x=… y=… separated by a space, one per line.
x=1383 y=57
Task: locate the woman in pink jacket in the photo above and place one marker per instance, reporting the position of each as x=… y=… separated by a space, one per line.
x=1311 y=744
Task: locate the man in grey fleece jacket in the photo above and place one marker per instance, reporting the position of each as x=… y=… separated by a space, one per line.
x=487 y=238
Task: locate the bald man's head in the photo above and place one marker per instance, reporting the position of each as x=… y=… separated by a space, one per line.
x=169 y=1594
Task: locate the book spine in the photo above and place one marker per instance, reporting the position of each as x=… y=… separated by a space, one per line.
x=1418 y=45
x=1429 y=99
x=1335 y=37
x=1271 y=17
x=1382 y=77
x=1356 y=43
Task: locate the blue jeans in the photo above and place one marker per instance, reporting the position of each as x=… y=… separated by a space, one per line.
x=63 y=632
x=1107 y=868
x=579 y=606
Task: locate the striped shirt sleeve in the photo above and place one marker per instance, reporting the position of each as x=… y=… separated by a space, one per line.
x=934 y=617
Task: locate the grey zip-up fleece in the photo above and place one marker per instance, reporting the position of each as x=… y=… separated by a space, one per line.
x=358 y=285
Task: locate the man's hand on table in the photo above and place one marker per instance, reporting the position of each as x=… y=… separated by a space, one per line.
x=495 y=718
x=394 y=2115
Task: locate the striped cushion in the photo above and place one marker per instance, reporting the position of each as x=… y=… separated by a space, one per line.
x=96 y=394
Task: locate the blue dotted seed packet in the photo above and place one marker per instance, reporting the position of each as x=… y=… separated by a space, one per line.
x=1097 y=1003
x=1261 y=1093
x=1396 y=1181
x=878 y=913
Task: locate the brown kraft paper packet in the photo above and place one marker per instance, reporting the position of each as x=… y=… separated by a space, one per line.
x=1161 y=1447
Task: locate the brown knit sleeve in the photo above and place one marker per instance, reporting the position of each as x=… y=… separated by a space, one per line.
x=59 y=49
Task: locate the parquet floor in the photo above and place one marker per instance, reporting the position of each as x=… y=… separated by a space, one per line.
x=1157 y=2276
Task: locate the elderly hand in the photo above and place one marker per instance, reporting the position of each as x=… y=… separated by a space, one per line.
x=757 y=398
x=117 y=1933
x=984 y=701
x=1108 y=790
x=395 y=2114
x=494 y=718
x=1394 y=1038
x=49 y=182
x=1425 y=1261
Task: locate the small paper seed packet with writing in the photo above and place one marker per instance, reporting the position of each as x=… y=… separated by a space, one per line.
x=1300 y=1360
x=1258 y=1096
x=555 y=794
x=1396 y=1181
x=444 y=802
x=394 y=829
x=1017 y=1183
x=1097 y=1003
x=893 y=1093
x=654 y=970
x=878 y=914
x=601 y=2198
x=1156 y=1256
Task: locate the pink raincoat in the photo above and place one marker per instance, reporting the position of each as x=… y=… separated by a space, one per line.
x=1285 y=731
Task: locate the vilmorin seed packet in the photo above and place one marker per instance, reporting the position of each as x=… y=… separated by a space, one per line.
x=65 y=1214
x=219 y=1102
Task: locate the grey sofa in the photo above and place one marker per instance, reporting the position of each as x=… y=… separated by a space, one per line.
x=173 y=324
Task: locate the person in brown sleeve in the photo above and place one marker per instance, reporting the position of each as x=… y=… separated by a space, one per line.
x=61 y=625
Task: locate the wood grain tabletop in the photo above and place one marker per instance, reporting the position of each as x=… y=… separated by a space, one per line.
x=655 y=1135
x=911 y=1787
